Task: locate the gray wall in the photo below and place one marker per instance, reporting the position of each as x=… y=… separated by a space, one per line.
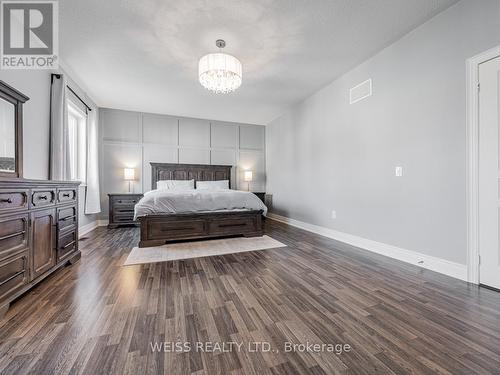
x=134 y=139
x=328 y=155
x=36 y=85
x=36 y=131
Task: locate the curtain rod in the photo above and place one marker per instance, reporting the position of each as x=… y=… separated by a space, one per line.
x=58 y=76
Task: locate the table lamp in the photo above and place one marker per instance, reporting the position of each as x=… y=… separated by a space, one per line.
x=129 y=175
x=248 y=177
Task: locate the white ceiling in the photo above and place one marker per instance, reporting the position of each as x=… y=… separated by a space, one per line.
x=142 y=55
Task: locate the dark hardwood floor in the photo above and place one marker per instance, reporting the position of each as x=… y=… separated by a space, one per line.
x=98 y=317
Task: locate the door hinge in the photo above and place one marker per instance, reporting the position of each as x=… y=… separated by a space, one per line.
x=479 y=256
x=478 y=87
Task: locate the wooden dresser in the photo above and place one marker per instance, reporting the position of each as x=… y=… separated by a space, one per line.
x=121 y=209
x=38 y=233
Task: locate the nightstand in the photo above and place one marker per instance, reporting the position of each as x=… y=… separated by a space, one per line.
x=262 y=196
x=121 y=209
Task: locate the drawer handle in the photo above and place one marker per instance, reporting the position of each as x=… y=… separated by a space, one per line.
x=43 y=197
x=181 y=228
x=68 y=218
x=68 y=245
x=12 y=235
x=4 y=200
x=66 y=195
x=232 y=225
x=12 y=277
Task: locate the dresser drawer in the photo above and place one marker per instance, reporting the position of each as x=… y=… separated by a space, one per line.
x=227 y=226
x=13 y=200
x=176 y=229
x=13 y=235
x=13 y=275
x=66 y=195
x=125 y=201
x=43 y=198
x=66 y=217
x=126 y=210
x=123 y=218
x=66 y=244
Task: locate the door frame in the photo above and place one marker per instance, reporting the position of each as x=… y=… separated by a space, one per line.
x=472 y=137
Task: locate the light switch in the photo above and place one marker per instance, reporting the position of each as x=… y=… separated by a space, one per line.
x=399 y=171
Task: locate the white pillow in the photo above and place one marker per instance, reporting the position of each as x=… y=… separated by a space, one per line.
x=175 y=185
x=212 y=185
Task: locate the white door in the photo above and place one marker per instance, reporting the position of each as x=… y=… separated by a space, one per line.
x=489 y=173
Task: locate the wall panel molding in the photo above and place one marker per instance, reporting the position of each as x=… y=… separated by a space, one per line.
x=171 y=139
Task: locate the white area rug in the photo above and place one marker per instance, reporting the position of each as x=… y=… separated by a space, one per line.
x=198 y=249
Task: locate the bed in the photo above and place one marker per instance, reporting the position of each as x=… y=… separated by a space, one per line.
x=163 y=218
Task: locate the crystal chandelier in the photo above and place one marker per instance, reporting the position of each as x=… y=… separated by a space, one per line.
x=220 y=72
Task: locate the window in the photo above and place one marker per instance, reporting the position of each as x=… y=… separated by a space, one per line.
x=77 y=139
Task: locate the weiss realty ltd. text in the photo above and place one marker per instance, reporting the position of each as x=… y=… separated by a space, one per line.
x=253 y=346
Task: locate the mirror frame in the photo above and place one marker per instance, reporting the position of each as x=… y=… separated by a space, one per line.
x=11 y=95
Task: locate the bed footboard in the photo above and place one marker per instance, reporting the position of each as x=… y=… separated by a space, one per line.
x=156 y=230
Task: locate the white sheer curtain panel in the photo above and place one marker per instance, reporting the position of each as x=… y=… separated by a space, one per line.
x=92 y=196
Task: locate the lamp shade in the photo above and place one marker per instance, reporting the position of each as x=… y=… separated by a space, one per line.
x=220 y=72
x=248 y=176
x=129 y=174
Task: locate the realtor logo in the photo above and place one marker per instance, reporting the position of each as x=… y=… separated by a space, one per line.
x=29 y=37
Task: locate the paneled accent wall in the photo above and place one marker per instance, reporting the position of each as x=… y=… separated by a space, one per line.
x=134 y=139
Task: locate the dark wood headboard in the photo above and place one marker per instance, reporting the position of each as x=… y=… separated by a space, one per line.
x=197 y=172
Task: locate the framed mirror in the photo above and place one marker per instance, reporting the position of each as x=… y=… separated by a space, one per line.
x=11 y=131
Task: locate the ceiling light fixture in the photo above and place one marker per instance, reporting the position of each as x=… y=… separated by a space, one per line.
x=220 y=72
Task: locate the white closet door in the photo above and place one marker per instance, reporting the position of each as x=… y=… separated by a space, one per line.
x=489 y=172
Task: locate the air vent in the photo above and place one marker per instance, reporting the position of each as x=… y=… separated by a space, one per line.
x=360 y=92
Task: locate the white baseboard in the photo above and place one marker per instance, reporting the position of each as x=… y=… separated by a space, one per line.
x=446 y=267
x=83 y=230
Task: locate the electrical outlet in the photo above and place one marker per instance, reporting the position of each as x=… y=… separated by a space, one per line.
x=398 y=171
x=334 y=214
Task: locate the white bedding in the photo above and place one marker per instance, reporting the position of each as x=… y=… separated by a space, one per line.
x=189 y=201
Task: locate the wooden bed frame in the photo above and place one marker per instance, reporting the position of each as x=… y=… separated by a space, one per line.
x=158 y=229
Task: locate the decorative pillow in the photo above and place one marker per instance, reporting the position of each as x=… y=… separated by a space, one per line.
x=212 y=185
x=175 y=185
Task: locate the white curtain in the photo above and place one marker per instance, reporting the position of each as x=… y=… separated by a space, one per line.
x=59 y=144
x=59 y=156
x=92 y=196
